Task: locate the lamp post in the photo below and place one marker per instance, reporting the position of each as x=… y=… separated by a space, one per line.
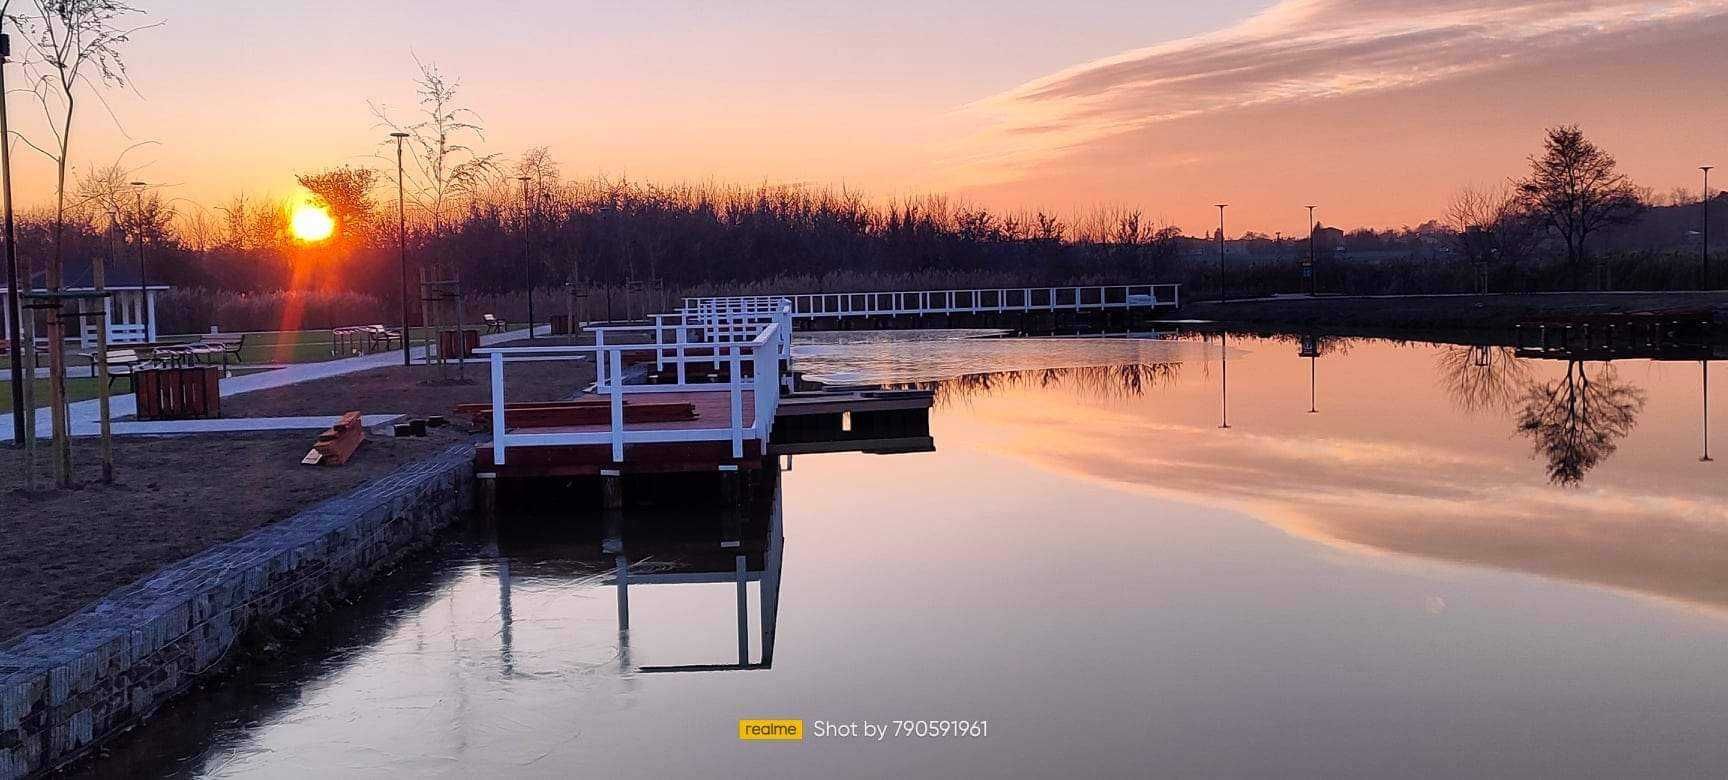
x=1704 y=268
x=1313 y=272
x=1223 y=291
x=143 y=270
x=527 y=259
x=14 y=316
x=402 y=242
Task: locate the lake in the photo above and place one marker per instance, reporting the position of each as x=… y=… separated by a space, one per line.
x=1190 y=555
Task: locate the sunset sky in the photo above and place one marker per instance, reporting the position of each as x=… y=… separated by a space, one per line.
x=1375 y=109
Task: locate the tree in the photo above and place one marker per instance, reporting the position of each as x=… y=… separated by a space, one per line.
x=346 y=193
x=1577 y=421
x=1574 y=190
x=75 y=43
x=445 y=170
x=1489 y=224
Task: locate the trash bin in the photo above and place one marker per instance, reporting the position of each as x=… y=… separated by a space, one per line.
x=448 y=339
x=178 y=393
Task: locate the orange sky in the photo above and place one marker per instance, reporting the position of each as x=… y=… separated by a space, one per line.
x=1375 y=109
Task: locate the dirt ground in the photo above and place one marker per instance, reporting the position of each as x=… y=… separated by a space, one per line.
x=173 y=497
x=413 y=390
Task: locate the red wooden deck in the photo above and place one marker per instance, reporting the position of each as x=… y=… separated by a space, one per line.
x=713 y=410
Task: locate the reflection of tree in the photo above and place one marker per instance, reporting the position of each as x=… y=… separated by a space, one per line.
x=1577 y=421
x=1482 y=378
x=1105 y=382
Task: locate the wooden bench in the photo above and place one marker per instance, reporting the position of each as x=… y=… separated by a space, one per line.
x=493 y=324
x=378 y=334
x=121 y=363
x=218 y=345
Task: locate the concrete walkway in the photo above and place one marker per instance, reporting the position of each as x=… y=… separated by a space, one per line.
x=86 y=415
x=228 y=425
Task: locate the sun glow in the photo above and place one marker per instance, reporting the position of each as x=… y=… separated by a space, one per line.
x=311 y=223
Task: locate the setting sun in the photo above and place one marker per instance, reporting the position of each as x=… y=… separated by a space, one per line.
x=311 y=223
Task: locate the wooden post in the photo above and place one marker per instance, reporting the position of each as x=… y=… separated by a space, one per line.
x=98 y=279
x=486 y=497
x=611 y=489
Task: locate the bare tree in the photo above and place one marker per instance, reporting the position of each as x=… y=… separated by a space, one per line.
x=446 y=170
x=1577 y=421
x=1488 y=224
x=1575 y=190
x=75 y=45
x=346 y=193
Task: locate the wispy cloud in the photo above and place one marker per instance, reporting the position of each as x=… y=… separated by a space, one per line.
x=1308 y=50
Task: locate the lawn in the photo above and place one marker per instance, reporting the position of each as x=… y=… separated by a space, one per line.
x=294 y=346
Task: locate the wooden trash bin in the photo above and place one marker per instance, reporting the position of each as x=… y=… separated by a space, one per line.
x=560 y=324
x=447 y=340
x=178 y=393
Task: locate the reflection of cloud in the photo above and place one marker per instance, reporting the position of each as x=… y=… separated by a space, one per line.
x=1304 y=50
x=1405 y=498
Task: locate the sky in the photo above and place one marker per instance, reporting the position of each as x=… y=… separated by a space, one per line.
x=1377 y=110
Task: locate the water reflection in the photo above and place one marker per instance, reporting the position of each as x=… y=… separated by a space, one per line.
x=1579 y=419
x=1481 y=378
x=1129 y=380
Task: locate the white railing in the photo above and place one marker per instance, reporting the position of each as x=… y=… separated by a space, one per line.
x=753 y=365
x=979 y=300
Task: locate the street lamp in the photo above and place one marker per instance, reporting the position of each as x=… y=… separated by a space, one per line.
x=1223 y=291
x=143 y=270
x=14 y=316
x=1704 y=280
x=1313 y=272
x=527 y=261
x=402 y=242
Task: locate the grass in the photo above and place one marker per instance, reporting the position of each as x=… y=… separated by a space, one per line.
x=296 y=346
x=78 y=388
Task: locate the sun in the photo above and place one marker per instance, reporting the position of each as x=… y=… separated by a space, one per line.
x=311 y=223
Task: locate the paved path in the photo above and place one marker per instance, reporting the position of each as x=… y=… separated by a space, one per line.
x=86 y=415
x=228 y=425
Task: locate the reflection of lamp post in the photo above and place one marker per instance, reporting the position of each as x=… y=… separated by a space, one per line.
x=1223 y=291
x=402 y=241
x=1224 y=356
x=527 y=261
x=143 y=275
x=1311 y=350
x=1704 y=366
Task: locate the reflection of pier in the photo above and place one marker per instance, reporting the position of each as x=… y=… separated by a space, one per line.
x=736 y=547
x=1617 y=338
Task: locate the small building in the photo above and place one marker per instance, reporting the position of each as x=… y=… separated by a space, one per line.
x=131 y=314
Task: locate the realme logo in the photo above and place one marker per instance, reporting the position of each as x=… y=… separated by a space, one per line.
x=771 y=730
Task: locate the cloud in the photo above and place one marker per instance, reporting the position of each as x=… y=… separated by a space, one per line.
x=1310 y=50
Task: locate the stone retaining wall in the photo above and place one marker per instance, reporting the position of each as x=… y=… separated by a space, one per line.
x=102 y=670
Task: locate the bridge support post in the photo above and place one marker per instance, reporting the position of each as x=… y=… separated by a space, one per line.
x=611 y=489
x=486 y=497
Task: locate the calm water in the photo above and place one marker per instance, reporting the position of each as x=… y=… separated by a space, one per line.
x=1461 y=564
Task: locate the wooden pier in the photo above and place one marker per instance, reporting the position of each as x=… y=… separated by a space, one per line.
x=706 y=389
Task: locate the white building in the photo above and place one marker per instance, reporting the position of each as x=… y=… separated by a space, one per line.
x=131 y=315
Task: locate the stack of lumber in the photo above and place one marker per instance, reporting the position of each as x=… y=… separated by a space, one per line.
x=555 y=414
x=336 y=445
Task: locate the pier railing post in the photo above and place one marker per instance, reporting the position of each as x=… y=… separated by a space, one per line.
x=497 y=409
x=616 y=357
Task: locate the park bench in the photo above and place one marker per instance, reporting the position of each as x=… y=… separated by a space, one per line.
x=219 y=345
x=121 y=363
x=493 y=324
x=380 y=337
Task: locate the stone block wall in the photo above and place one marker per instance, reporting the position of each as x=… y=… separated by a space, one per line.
x=95 y=673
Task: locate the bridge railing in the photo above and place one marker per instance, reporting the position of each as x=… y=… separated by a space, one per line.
x=753 y=367
x=978 y=300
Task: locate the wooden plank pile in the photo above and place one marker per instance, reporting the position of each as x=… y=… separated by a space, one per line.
x=555 y=414
x=337 y=444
